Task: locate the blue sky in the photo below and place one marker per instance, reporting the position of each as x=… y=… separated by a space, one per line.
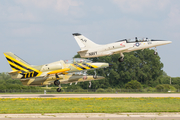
x=40 y=31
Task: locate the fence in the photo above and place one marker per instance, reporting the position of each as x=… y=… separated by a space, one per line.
x=92 y=91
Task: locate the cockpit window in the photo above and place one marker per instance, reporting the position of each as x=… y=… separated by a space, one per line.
x=136 y=39
x=78 y=60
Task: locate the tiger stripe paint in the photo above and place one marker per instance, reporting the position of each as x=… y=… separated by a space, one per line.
x=16 y=67
x=84 y=66
x=80 y=66
x=94 y=66
x=76 y=67
x=25 y=69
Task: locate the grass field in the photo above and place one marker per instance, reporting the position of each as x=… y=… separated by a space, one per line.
x=88 y=105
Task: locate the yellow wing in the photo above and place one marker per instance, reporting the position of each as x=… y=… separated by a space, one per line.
x=59 y=71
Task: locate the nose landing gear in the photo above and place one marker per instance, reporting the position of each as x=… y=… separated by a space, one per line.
x=89 y=84
x=155 y=51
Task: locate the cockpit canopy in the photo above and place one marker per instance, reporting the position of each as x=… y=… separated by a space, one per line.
x=144 y=39
x=77 y=60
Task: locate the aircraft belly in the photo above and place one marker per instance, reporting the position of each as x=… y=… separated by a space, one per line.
x=37 y=81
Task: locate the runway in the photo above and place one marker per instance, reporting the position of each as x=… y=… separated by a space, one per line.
x=90 y=116
x=86 y=95
x=93 y=116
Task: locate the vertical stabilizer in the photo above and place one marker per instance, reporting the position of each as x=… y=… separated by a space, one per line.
x=83 y=42
x=20 y=66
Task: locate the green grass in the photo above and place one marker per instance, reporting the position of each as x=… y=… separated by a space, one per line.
x=88 y=105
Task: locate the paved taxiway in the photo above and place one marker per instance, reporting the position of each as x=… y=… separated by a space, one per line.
x=85 y=95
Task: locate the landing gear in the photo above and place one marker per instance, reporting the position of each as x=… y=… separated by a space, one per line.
x=121 y=59
x=95 y=76
x=58 y=90
x=57 y=83
x=89 y=84
x=155 y=51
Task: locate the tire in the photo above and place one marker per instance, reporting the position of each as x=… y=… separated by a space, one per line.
x=56 y=82
x=120 y=59
x=94 y=76
x=58 y=90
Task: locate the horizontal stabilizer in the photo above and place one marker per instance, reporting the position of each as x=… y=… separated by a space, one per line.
x=12 y=72
x=82 y=51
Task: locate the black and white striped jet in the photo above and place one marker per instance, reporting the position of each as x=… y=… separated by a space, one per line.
x=90 y=49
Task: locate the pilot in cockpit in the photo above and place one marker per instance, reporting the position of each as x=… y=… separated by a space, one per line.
x=136 y=39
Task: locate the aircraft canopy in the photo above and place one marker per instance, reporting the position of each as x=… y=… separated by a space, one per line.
x=78 y=60
x=136 y=40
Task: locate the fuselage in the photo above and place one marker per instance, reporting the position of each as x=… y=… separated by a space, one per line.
x=64 y=79
x=121 y=46
x=46 y=74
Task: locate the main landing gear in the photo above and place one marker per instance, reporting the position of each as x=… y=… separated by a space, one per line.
x=57 y=83
x=121 y=59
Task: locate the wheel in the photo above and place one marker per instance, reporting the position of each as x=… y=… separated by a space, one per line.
x=94 y=76
x=155 y=53
x=58 y=90
x=120 y=59
x=57 y=82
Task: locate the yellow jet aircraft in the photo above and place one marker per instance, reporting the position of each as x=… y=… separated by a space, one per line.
x=60 y=72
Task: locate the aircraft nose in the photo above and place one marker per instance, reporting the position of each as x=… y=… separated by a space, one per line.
x=166 y=42
x=162 y=42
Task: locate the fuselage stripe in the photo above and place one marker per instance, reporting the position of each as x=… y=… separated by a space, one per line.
x=88 y=65
x=77 y=65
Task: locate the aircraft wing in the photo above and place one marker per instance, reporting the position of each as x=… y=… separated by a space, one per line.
x=120 y=49
x=59 y=71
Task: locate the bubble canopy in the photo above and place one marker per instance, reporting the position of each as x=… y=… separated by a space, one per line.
x=77 y=60
x=144 y=39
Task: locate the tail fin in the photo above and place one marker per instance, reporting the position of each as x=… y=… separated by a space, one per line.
x=83 y=42
x=20 y=66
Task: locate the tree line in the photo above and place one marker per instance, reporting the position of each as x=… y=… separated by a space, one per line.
x=141 y=66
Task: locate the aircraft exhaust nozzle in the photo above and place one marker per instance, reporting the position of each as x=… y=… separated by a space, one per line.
x=110 y=65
